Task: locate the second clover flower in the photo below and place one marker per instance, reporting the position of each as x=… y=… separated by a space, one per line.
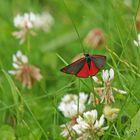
x=28 y=21
x=23 y=71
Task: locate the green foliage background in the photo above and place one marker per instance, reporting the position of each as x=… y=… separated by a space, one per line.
x=32 y=114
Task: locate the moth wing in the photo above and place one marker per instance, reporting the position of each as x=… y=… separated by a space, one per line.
x=75 y=67
x=99 y=61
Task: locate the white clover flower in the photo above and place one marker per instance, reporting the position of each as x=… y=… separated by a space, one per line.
x=23 y=71
x=44 y=21
x=28 y=21
x=137 y=42
x=110 y=113
x=89 y=123
x=69 y=104
x=18 y=60
x=25 y=21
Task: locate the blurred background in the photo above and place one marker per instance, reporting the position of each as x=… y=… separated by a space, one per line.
x=32 y=114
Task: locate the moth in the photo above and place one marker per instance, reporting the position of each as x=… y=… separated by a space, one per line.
x=89 y=65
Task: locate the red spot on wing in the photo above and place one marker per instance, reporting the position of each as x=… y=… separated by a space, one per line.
x=98 y=56
x=93 y=69
x=72 y=72
x=84 y=72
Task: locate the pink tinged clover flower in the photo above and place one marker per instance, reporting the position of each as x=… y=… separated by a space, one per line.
x=23 y=71
x=94 y=38
x=106 y=92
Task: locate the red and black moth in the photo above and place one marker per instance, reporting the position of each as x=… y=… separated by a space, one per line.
x=89 y=65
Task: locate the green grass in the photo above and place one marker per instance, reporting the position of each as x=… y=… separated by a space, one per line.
x=32 y=114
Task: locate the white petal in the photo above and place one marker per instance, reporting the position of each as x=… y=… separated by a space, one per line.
x=78 y=129
x=14 y=58
x=69 y=105
x=12 y=72
x=82 y=97
x=44 y=21
x=105 y=128
x=120 y=91
x=24 y=59
x=101 y=121
x=29 y=25
x=105 y=75
x=79 y=119
x=90 y=116
x=15 y=66
x=111 y=72
x=96 y=125
x=83 y=124
x=139 y=38
x=17 y=20
x=19 y=54
x=136 y=43
x=32 y=17
x=96 y=80
x=81 y=108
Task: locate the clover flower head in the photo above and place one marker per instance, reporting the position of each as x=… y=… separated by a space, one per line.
x=88 y=125
x=23 y=71
x=25 y=21
x=69 y=104
x=94 y=38
x=44 y=21
x=106 y=91
x=29 y=21
x=110 y=113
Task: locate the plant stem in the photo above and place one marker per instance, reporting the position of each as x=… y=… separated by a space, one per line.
x=116 y=131
x=93 y=91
